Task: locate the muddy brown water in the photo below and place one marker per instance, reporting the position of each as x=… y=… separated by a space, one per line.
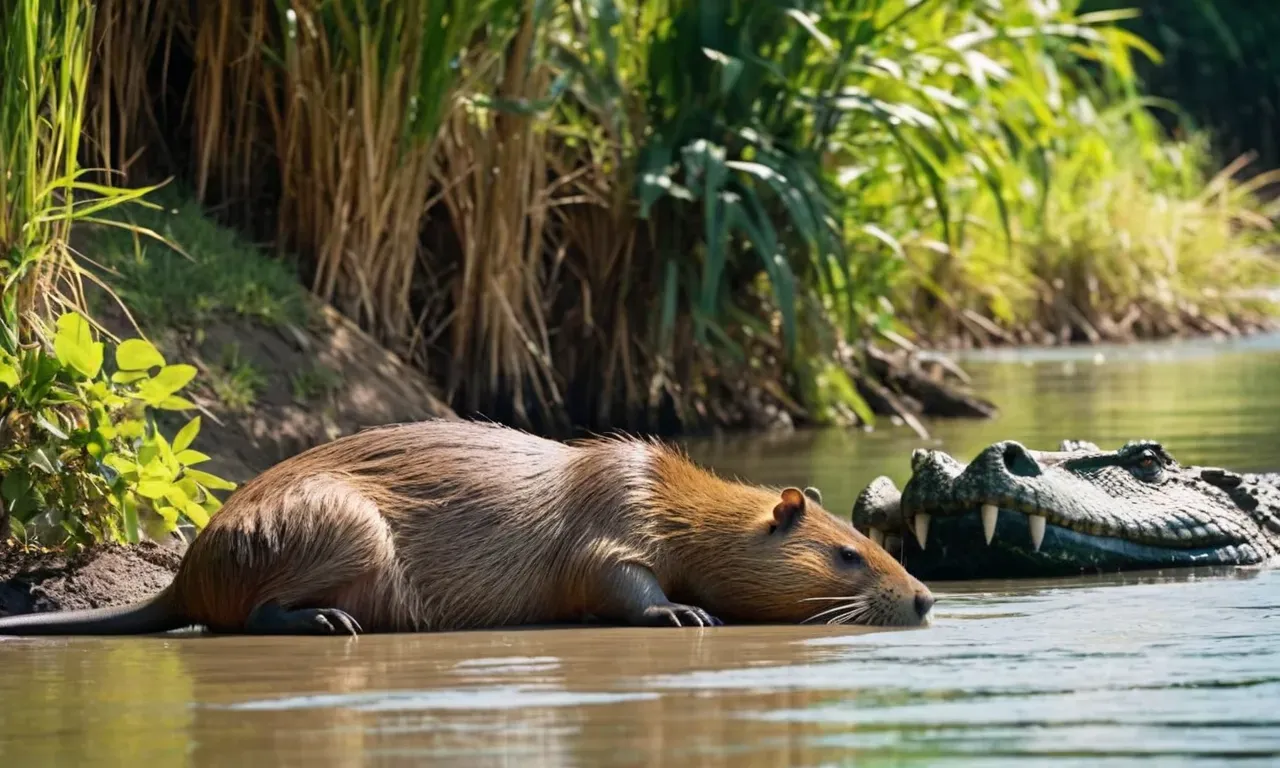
x=1163 y=668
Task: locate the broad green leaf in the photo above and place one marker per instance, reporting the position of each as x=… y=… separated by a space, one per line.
x=176 y=496
x=153 y=489
x=131 y=429
x=175 y=403
x=189 y=487
x=170 y=379
x=196 y=514
x=129 y=377
x=190 y=457
x=166 y=455
x=182 y=441
x=27 y=506
x=120 y=463
x=169 y=515
x=75 y=347
x=47 y=424
x=138 y=355
x=147 y=454
x=210 y=481
x=8 y=375
x=39 y=458
x=15 y=484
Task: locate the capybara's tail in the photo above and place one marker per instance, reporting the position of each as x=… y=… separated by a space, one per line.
x=157 y=614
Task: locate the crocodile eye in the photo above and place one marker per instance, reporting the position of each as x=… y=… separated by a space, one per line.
x=1148 y=467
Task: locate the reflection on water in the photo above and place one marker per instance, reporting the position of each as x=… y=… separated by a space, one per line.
x=1157 y=665
x=1165 y=667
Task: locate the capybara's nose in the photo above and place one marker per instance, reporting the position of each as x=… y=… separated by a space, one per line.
x=924 y=601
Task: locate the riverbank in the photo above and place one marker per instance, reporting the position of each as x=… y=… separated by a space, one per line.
x=37 y=580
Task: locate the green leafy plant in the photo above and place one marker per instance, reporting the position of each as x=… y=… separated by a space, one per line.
x=236 y=381
x=82 y=458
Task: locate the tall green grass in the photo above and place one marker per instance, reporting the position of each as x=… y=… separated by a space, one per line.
x=633 y=212
x=1220 y=66
x=44 y=54
x=80 y=457
x=1115 y=229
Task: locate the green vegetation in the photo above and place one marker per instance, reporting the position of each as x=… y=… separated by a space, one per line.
x=80 y=456
x=313 y=383
x=643 y=213
x=1130 y=235
x=194 y=272
x=619 y=212
x=1220 y=65
x=236 y=381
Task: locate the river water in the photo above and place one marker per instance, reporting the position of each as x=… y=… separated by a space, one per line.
x=1151 y=668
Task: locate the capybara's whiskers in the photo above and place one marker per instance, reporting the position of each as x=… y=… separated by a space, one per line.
x=855 y=603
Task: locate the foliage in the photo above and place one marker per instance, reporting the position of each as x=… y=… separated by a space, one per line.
x=191 y=271
x=1114 y=228
x=612 y=212
x=1220 y=65
x=80 y=453
x=44 y=53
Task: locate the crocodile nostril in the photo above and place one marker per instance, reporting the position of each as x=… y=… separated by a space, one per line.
x=1019 y=462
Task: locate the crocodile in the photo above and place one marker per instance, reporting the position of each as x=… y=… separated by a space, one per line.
x=1014 y=512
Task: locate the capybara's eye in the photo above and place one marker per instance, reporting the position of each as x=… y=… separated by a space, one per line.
x=850 y=556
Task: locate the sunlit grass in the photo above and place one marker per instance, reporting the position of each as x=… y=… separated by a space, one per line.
x=44 y=53
x=201 y=272
x=599 y=211
x=1125 y=243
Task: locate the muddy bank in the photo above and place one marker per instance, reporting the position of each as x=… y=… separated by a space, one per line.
x=299 y=386
x=100 y=577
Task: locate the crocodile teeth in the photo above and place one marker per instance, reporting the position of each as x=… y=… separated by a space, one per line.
x=876 y=535
x=922 y=529
x=989 y=514
x=1036 y=523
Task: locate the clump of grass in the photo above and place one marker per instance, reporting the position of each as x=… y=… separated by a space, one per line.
x=1132 y=238
x=366 y=86
x=313 y=383
x=216 y=272
x=45 y=54
x=236 y=382
x=80 y=453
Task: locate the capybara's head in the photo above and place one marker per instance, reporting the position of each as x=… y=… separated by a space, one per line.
x=797 y=562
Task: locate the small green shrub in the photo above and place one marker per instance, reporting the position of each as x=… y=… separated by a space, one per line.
x=313 y=383
x=80 y=452
x=236 y=381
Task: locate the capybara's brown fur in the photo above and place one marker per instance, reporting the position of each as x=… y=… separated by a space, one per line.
x=447 y=525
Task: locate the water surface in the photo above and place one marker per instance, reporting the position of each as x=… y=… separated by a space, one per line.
x=1163 y=668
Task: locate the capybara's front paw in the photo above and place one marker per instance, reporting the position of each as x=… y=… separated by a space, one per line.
x=332 y=621
x=677 y=615
x=271 y=619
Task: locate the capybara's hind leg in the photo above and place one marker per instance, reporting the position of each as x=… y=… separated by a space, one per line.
x=272 y=619
x=318 y=560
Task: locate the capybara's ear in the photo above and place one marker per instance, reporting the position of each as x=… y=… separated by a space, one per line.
x=788 y=511
x=814 y=494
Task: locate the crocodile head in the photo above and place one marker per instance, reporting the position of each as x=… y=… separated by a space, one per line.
x=1014 y=512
